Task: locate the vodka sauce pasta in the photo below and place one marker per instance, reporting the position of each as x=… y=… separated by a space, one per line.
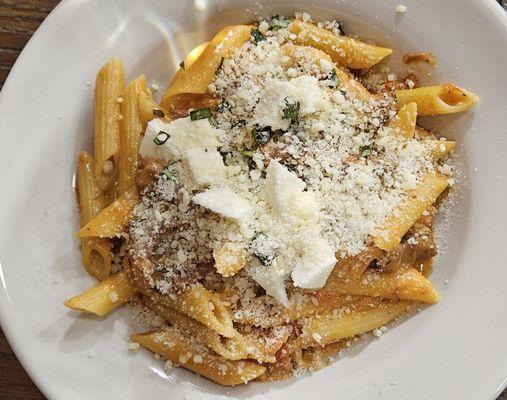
x=274 y=206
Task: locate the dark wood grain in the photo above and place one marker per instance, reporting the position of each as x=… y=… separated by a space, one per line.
x=18 y=21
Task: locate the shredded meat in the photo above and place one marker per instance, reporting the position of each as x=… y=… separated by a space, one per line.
x=149 y=169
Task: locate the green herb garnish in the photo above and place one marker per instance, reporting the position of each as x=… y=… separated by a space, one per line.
x=257 y=35
x=367 y=150
x=213 y=122
x=333 y=78
x=291 y=110
x=158 y=113
x=261 y=135
x=170 y=174
x=278 y=22
x=161 y=138
x=247 y=153
x=202 y=113
x=182 y=65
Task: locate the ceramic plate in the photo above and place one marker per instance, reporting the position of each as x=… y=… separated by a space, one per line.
x=453 y=350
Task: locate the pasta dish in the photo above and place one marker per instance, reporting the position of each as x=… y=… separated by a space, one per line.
x=278 y=202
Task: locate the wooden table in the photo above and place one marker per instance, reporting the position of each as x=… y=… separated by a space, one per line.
x=18 y=21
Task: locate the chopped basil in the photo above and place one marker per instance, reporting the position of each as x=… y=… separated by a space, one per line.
x=265 y=259
x=224 y=105
x=220 y=66
x=182 y=65
x=202 y=113
x=261 y=135
x=213 y=122
x=278 y=22
x=291 y=110
x=263 y=249
x=332 y=78
x=170 y=174
x=367 y=150
x=161 y=138
x=247 y=153
x=158 y=113
x=257 y=35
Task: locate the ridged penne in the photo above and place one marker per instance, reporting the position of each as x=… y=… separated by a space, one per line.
x=404 y=122
x=97 y=252
x=131 y=129
x=314 y=55
x=343 y=50
x=197 y=77
x=149 y=109
x=327 y=329
x=174 y=346
x=416 y=201
x=233 y=348
x=105 y=297
x=112 y=220
x=109 y=86
x=440 y=148
x=204 y=306
x=406 y=284
x=434 y=100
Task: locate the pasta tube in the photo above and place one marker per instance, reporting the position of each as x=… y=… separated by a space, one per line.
x=406 y=284
x=109 y=86
x=197 y=77
x=105 y=297
x=410 y=210
x=174 y=346
x=130 y=134
x=343 y=50
x=434 y=100
x=97 y=252
x=113 y=220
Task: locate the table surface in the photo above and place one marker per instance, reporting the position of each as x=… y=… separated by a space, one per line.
x=18 y=21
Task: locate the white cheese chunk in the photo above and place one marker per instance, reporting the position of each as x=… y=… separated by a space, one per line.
x=272 y=280
x=277 y=94
x=272 y=102
x=316 y=261
x=205 y=165
x=284 y=193
x=224 y=201
x=183 y=134
x=309 y=94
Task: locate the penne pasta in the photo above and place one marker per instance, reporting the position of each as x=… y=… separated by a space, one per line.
x=406 y=284
x=105 y=297
x=131 y=130
x=404 y=122
x=111 y=221
x=434 y=100
x=343 y=50
x=307 y=54
x=174 y=346
x=441 y=148
x=149 y=109
x=331 y=328
x=410 y=210
x=97 y=252
x=231 y=348
x=197 y=77
x=97 y=257
x=205 y=307
x=109 y=86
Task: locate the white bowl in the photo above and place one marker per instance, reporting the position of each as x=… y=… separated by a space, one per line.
x=453 y=350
